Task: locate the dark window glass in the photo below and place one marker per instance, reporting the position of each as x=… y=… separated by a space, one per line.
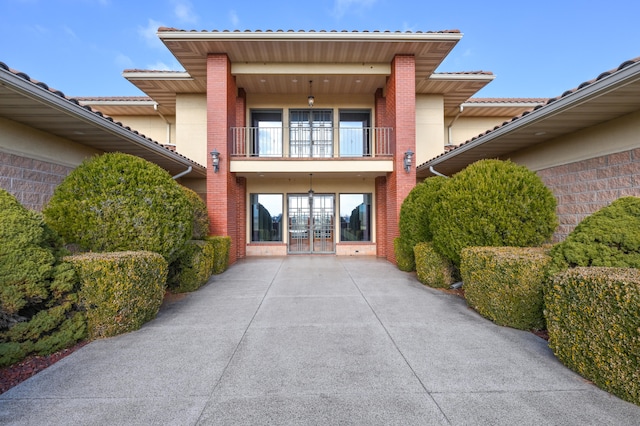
x=355 y=217
x=266 y=217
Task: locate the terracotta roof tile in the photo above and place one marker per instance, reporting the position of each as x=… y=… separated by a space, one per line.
x=114 y=98
x=506 y=100
x=171 y=29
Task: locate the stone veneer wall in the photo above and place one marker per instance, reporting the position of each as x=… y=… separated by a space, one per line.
x=31 y=181
x=583 y=187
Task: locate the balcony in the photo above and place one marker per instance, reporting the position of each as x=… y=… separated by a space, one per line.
x=311 y=142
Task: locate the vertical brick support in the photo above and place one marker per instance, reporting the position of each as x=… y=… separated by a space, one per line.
x=400 y=113
x=381 y=216
x=241 y=216
x=222 y=188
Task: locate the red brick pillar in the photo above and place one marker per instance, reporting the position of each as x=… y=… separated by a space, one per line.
x=401 y=115
x=381 y=216
x=222 y=189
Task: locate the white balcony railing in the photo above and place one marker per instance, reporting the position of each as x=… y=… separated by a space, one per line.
x=311 y=142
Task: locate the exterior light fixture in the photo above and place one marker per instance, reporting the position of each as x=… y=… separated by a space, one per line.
x=310 y=98
x=310 y=188
x=215 y=157
x=408 y=156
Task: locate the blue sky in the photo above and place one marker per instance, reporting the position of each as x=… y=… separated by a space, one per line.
x=535 y=49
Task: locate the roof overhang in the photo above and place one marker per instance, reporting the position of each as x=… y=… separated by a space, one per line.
x=455 y=87
x=35 y=105
x=610 y=96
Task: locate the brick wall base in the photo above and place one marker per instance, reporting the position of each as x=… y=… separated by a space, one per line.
x=31 y=181
x=583 y=187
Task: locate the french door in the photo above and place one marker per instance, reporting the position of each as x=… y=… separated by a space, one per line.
x=311 y=226
x=311 y=133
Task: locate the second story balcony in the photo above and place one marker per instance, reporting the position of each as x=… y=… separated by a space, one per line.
x=311 y=142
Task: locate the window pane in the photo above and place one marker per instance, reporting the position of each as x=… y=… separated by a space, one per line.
x=355 y=217
x=267 y=136
x=355 y=134
x=266 y=217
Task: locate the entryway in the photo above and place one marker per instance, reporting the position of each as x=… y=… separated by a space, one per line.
x=311 y=226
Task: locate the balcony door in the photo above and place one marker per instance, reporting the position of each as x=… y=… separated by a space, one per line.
x=311 y=224
x=266 y=133
x=311 y=133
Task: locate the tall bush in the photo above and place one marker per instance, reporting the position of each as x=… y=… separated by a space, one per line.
x=200 y=216
x=38 y=292
x=119 y=202
x=492 y=203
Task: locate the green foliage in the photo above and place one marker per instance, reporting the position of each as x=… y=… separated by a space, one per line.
x=200 y=216
x=609 y=237
x=492 y=203
x=193 y=268
x=404 y=254
x=593 y=318
x=221 y=248
x=415 y=215
x=505 y=284
x=119 y=202
x=432 y=268
x=38 y=311
x=120 y=291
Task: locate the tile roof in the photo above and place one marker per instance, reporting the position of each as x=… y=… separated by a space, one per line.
x=170 y=29
x=542 y=105
x=114 y=98
x=506 y=100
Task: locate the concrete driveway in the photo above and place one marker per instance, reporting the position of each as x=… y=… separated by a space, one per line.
x=314 y=340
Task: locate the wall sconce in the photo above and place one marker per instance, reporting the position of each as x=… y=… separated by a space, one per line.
x=408 y=156
x=310 y=98
x=215 y=157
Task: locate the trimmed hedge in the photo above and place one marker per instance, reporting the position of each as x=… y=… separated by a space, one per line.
x=593 y=318
x=221 y=248
x=505 y=284
x=492 y=203
x=609 y=237
x=119 y=202
x=415 y=215
x=432 y=268
x=193 y=268
x=121 y=290
x=200 y=216
x=404 y=254
x=38 y=292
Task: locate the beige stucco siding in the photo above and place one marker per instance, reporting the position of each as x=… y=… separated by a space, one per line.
x=191 y=125
x=466 y=128
x=430 y=137
x=152 y=126
x=617 y=135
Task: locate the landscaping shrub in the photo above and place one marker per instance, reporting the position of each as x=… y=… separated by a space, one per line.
x=609 y=237
x=221 y=248
x=593 y=318
x=200 y=223
x=38 y=292
x=404 y=254
x=119 y=202
x=415 y=215
x=505 y=284
x=120 y=291
x=193 y=267
x=492 y=203
x=432 y=268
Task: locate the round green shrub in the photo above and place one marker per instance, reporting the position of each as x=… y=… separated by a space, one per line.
x=38 y=292
x=492 y=203
x=415 y=215
x=119 y=202
x=403 y=252
x=610 y=237
x=200 y=215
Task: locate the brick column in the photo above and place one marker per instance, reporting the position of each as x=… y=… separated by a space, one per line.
x=222 y=188
x=400 y=112
x=381 y=216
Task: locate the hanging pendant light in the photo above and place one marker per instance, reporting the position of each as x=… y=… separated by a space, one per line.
x=310 y=187
x=310 y=99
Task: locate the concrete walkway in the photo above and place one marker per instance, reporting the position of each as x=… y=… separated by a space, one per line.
x=314 y=341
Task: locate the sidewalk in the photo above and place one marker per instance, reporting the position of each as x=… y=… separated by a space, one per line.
x=317 y=340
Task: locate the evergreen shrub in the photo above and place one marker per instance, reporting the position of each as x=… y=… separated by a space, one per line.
x=415 y=214
x=492 y=203
x=593 y=318
x=609 y=237
x=505 y=284
x=432 y=268
x=193 y=267
x=120 y=290
x=38 y=292
x=221 y=248
x=119 y=202
x=200 y=216
x=404 y=254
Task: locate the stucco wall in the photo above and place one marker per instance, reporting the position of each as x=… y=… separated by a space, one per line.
x=191 y=126
x=152 y=126
x=430 y=134
x=466 y=128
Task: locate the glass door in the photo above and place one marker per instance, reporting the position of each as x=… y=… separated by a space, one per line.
x=311 y=225
x=311 y=133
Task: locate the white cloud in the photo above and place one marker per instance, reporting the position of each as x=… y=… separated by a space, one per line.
x=123 y=61
x=183 y=10
x=233 y=17
x=342 y=7
x=149 y=33
x=69 y=31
